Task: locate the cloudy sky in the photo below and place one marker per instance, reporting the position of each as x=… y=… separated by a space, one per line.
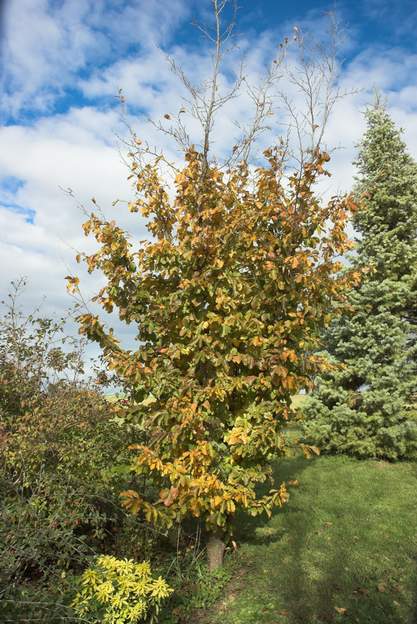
x=63 y=62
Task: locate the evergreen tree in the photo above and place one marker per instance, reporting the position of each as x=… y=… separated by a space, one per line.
x=364 y=405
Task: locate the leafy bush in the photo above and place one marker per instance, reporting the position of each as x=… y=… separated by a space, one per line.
x=59 y=501
x=115 y=591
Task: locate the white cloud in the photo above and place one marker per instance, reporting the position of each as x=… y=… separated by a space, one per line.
x=78 y=149
x=75 y=150
x=47 y=44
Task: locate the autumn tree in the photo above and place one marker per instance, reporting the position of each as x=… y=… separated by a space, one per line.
x=227 y=297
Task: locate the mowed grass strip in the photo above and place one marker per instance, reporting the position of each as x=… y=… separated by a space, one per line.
x=344 y=549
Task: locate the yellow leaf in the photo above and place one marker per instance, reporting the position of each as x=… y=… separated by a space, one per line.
x=131 y=500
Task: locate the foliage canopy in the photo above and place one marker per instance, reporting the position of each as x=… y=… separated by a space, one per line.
x=228 y=298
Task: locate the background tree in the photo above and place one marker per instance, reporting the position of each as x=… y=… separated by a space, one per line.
x=35 y=354
x=364 y=406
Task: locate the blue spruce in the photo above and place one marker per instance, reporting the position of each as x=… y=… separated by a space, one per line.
x=365 y=406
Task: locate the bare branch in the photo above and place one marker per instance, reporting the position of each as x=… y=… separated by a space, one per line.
x=314 y=75
x=295 y=97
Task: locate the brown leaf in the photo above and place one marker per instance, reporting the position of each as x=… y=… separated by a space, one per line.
x=341 y=610
x=170 y=498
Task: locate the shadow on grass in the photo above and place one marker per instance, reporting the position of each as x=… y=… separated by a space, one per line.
x=257 y=530
x=328 y=599
x=413 y=619
x=307 y=566
x=327 y=589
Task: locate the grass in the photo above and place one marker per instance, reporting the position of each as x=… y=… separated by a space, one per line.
x=342 y=550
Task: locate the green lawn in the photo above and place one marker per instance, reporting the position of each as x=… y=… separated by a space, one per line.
x=344 y=549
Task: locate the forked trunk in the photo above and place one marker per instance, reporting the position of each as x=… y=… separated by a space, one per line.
x=215 y=552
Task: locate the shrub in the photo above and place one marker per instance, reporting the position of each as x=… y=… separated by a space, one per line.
x=115 y=591
x=57 y=500
x=59 y=487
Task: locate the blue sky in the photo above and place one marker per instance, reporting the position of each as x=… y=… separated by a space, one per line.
x=374 y=22
x=93 y=36
x=63 y=62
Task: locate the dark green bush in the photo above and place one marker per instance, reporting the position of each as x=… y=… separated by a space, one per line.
x=59 y=439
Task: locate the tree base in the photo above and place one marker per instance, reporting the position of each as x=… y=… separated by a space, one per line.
x=215 y=552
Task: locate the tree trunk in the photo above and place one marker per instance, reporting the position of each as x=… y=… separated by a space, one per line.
x=215 y=552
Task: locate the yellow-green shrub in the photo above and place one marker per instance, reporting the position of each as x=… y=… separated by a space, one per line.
x=118 y=591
